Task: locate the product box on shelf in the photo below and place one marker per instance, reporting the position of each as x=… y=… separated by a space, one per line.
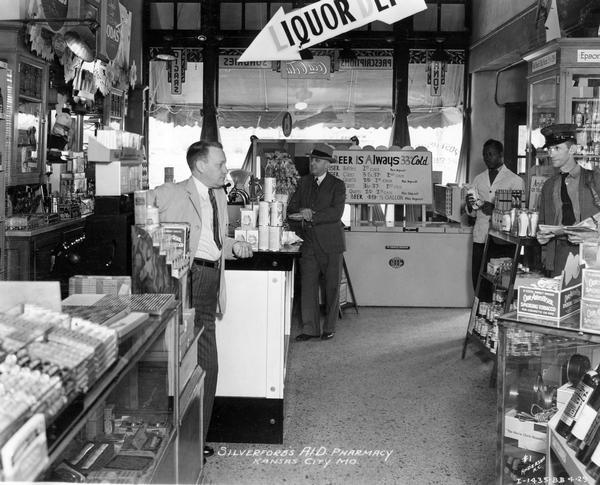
x=553 y=299
x=530 y=435
x=563 y=396
x=590 y=289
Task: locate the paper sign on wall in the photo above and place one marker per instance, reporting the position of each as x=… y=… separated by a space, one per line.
x=384 y=177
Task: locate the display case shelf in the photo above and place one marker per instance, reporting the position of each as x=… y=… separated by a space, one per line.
x=566 y=457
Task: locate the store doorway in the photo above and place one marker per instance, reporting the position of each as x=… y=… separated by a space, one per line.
x=515 y=136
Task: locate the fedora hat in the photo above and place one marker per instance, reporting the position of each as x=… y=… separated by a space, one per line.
x=322 y=151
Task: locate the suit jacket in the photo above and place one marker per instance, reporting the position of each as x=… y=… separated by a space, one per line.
x=550 y=212
x=326 y=228
x=180 y=202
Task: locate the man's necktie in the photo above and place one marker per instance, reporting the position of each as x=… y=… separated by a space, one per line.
x=493 y=172
x=216 y=235
x=568 y=216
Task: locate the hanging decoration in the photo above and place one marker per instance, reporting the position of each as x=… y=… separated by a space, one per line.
x=436 y=71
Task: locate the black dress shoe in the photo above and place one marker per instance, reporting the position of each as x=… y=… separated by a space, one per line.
x=208 y=451
x=327 y=335
x=303 y=337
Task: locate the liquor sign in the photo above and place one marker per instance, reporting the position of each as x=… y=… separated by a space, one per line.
x=436 y=77
x=285 y=35
x=317 y=68
x=384 y=177
x=383 y=63
x=233 y=62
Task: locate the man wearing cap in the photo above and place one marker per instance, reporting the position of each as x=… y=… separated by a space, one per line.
x=480 y=202
x=567 y=197
x=318 y=204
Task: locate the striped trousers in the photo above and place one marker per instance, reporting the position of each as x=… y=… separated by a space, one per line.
x=205 y=291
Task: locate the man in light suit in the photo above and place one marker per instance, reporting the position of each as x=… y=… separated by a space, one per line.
x=201 y=202
x=496 y=177
x=318 y=204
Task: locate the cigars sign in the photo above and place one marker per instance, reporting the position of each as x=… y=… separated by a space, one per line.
x=285 y=35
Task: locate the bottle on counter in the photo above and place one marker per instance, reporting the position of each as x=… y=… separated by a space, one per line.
x=580 y=397
x=585 y=421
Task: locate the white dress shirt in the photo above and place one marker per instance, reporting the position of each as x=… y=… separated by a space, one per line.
x=207 y=248
x=506 y=180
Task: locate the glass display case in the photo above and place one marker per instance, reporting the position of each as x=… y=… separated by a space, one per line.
x=564 y=87
x=540 y=365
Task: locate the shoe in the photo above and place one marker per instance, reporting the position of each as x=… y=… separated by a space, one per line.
x=303 y=337
x=208 y=451
x=327 y=335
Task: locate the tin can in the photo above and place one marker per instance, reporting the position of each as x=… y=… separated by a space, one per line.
x=506 y=221
x=276 y=211
x=533 y=223
x=274 y=238
x=269 y=189
x=263 y=213
x=140 y=203
x=523 y=223
x=152 y=218
x=263 y=238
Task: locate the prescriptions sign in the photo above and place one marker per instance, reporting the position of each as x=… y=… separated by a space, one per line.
x=384 y=177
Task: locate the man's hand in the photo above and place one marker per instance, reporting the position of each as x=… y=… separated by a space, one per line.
x=487 y=208
x=470 y=202
x=242 y=249
x=543 y=238
x=307 y=214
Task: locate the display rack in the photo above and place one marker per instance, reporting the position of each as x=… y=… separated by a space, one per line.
x=486 y=285
x=532 y=362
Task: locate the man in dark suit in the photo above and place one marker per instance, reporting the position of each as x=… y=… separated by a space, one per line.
x=201 y=202
x=318 y=204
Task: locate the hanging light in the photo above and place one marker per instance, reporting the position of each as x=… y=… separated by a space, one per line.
x=78 y=46
x=165 y=54
x=436 y=69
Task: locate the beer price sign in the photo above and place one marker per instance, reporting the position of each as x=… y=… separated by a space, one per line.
x=384 y=177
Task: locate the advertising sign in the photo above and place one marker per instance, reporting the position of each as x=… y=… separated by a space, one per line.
x=384 y=177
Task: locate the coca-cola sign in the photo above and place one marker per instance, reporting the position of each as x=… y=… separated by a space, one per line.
x=112 y=28
x=56 y=10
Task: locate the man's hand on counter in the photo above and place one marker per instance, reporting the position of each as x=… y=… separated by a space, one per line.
x=242 y=249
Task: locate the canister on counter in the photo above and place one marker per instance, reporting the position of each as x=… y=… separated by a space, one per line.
x=152 y=217
x=248 y=218
x=275 y=238
x=533 y=223
x=276 y=211
x=263 y=238
x=140 y=202
x=269 y=189
x=252 y=238
x=506 y=221
x=263 y=213
x=523 y=223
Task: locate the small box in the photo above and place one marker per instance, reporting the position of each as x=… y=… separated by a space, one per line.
x=252 y=238
x=590 y=316
x=591 y=284
x=548 y=304
x=178 y=234
x=239 y=234
x=530 y=435
x=248 y=218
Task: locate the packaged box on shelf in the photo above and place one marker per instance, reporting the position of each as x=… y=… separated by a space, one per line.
x=589 y=319
x=551 y=299
x=178 y=234
x=590 y=288
x=530 y=435
x=548 y=304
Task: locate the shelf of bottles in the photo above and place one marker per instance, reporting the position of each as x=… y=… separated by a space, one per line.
x=585 y=109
